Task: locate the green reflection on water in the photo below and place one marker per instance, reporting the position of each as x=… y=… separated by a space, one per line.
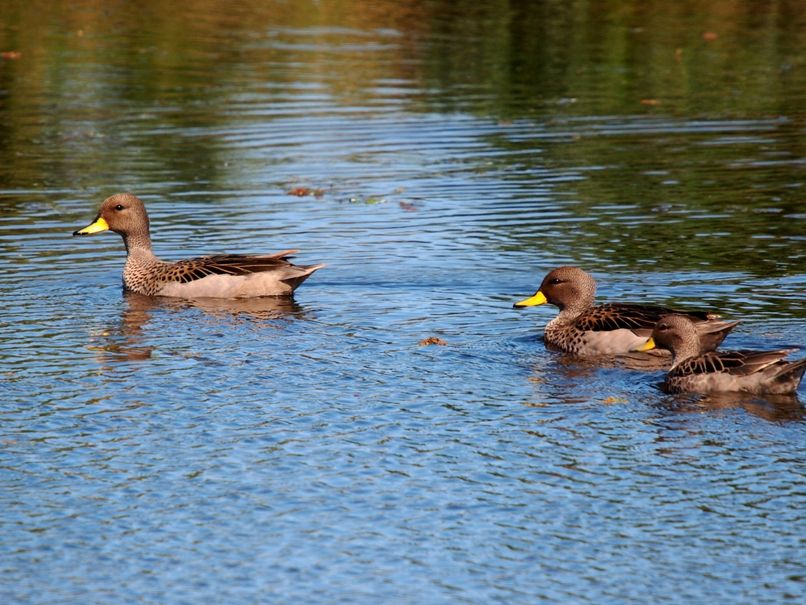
x=112 y=94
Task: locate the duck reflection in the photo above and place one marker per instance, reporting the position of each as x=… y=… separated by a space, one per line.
x=123 y=340
x=556 y=379
x=775 y=408
x=247 y=309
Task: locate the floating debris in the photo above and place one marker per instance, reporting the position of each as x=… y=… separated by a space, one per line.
x=433 y=340
x=306 y=191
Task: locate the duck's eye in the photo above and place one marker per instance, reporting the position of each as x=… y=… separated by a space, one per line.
x=119 y=207
x=556 y=281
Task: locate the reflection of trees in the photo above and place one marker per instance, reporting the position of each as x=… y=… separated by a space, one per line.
x=110 y=93
x=699 y=191
x=516 y=57
x=679 y=200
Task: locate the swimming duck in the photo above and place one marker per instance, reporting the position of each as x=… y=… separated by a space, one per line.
x=220 y=276
x=699 y=371
x=585 y=330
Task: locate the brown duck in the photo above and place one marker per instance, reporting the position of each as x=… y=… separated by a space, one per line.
x=585 y=330
x=699 y=371
x=220 y=276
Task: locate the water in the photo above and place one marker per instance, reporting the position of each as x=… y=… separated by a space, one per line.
x=168 y=452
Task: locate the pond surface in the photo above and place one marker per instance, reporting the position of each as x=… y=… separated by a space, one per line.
x=440 y=157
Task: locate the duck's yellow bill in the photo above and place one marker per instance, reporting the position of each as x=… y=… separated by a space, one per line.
x=99 y=225
x=538 y=299
x=647 y=346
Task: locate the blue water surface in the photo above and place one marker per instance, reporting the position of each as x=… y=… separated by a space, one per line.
x=440 y=158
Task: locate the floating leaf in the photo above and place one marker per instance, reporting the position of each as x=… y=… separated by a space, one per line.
x=432 y=340
x=299 y=191
x=305 y=191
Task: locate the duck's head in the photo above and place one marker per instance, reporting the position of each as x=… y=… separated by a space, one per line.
x=122 y=213
x=674 y=333
x=563 y=287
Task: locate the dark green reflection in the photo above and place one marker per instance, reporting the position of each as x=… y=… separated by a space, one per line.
x=686 y=115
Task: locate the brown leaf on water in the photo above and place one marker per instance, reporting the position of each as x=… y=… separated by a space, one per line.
x=407 y=206
x=613 y=400
x=651 y=102
x=305 y=191
x=432 y=340
x=710 y=36
x=11 y=55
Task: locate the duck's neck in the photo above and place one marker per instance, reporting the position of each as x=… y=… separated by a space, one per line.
x=570 y=312
x=684 y=351
x=563 y=318
x=138 y=246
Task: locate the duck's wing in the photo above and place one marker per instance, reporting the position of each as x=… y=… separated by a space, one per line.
x=191 y=269
x=616 y=316
x=735 y=363
x=636 y=317
x=712 y=332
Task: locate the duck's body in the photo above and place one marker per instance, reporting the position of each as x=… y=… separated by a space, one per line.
x=616 y=328
x=699 y=371
x=585 y=330
x=221 y=276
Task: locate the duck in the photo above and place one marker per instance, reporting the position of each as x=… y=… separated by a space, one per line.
x=698 y=371
x=220 y=276
x=583 y=329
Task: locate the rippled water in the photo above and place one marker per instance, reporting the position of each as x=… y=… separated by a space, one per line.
x=160 y=451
